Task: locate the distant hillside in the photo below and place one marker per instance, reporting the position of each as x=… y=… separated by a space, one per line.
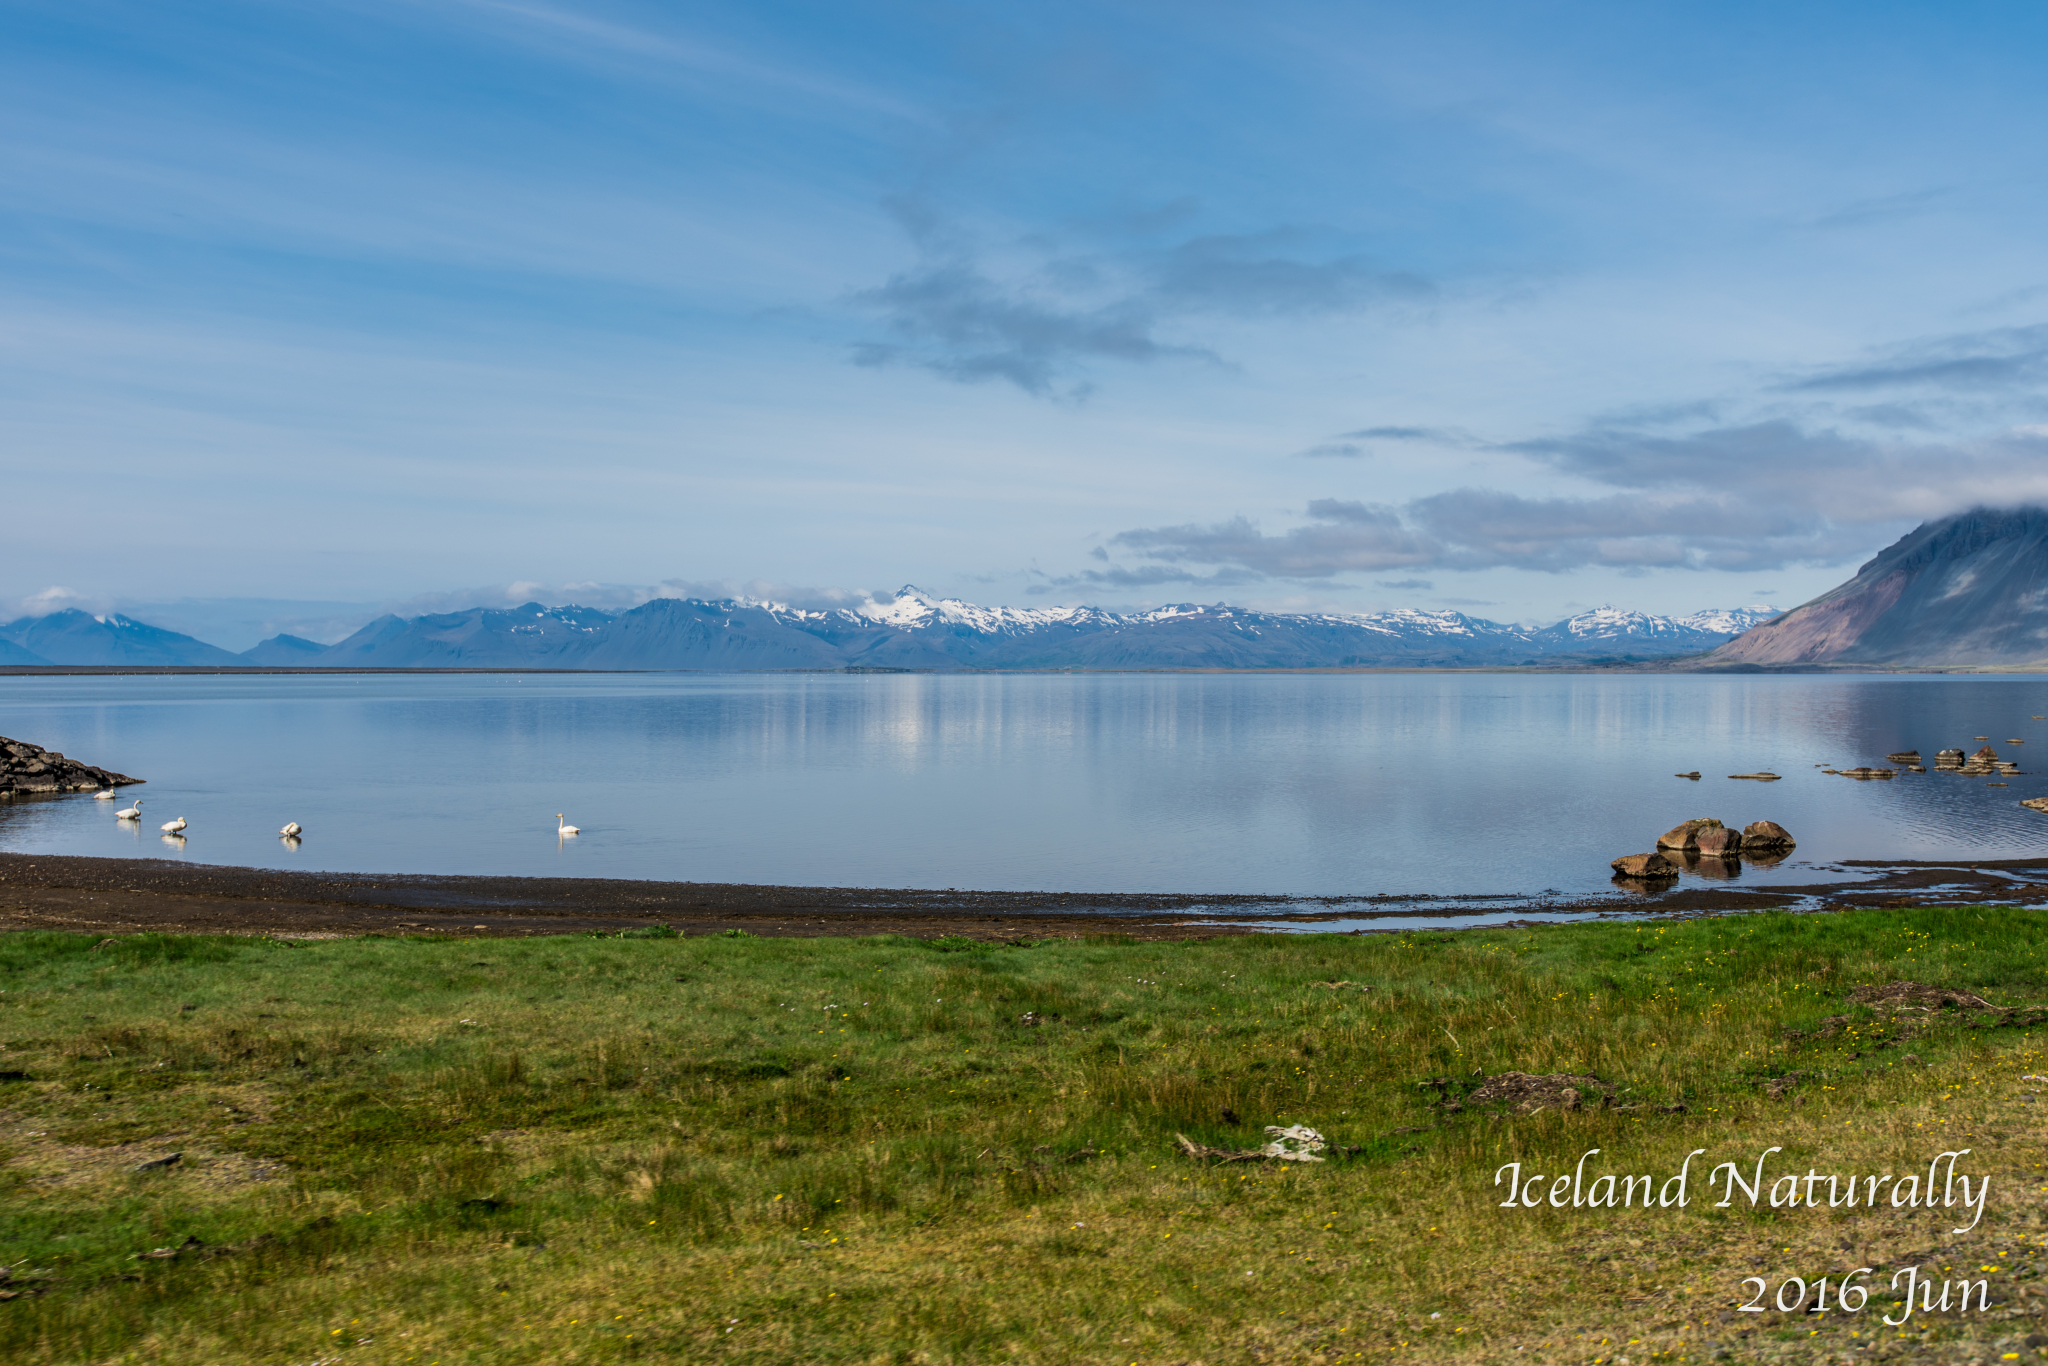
x=530 y=636
x=75 y=637
x=912 y=631
x=1969 y=589
x=283 y=650
x=14 y=655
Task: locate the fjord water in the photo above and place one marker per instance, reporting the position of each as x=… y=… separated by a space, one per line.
x=1302 y=784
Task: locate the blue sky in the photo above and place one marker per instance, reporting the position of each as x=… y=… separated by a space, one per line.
x=1516 y=308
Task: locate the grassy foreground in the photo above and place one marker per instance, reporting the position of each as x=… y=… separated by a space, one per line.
x=786 y=1150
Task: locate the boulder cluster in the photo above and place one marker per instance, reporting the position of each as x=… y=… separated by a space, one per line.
x=26 y=768
x=1985 y=763
x=1706 y=845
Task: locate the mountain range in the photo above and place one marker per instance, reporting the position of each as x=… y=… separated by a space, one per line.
x=914 y=630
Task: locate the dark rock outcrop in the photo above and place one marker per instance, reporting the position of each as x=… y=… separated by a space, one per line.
x=26 y=768
x=1762 y=835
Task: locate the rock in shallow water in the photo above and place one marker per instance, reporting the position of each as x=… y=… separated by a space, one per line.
x=1759 y=835
x=1718 y=841
x=1686 y=836
x=1648 y=867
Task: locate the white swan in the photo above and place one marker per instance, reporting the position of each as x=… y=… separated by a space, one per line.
x=292 y=828
x=564 y=829
x=172 y=827
x=105 y=796
x=130 y=813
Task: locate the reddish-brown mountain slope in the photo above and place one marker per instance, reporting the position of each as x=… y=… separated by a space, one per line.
x=1969 y=589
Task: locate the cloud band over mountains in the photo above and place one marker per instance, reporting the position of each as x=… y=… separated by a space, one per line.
x=1747 y=498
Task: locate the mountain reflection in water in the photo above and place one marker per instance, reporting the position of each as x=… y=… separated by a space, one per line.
x=1447 y=785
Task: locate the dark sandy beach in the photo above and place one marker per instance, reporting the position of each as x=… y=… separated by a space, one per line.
x=115 y=896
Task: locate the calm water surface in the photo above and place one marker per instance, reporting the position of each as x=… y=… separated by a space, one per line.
x=1300 y=784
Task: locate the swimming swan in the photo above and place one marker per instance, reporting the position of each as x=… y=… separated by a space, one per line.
x=562 y=829
x=106 y=796
x=172 y=827
x=292 y=828
x=130 y=813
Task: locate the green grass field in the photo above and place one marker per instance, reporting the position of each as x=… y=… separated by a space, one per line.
x=736 y=1149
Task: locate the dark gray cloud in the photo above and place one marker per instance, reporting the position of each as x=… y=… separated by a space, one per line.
x=1044 y=324
x=1784 y=465
x=1470 y=529
x=959 y=323
x=1489 y=529
x=1999 y=359
x=1628 y=457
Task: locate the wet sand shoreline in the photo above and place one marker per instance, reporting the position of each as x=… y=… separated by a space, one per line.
x=116 y=896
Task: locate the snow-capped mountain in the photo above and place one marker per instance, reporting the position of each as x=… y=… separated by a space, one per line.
x=913 y=609
x=916 y=630
x=1729 y=621
x=1619 y=630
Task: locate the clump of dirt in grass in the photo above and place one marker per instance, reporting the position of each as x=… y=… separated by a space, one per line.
x=1913 y=1006
x=1527 y=1092
x=1897 y=996
x=1777 y=1088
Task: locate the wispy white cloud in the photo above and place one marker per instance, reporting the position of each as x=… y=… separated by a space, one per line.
x=546 y=27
